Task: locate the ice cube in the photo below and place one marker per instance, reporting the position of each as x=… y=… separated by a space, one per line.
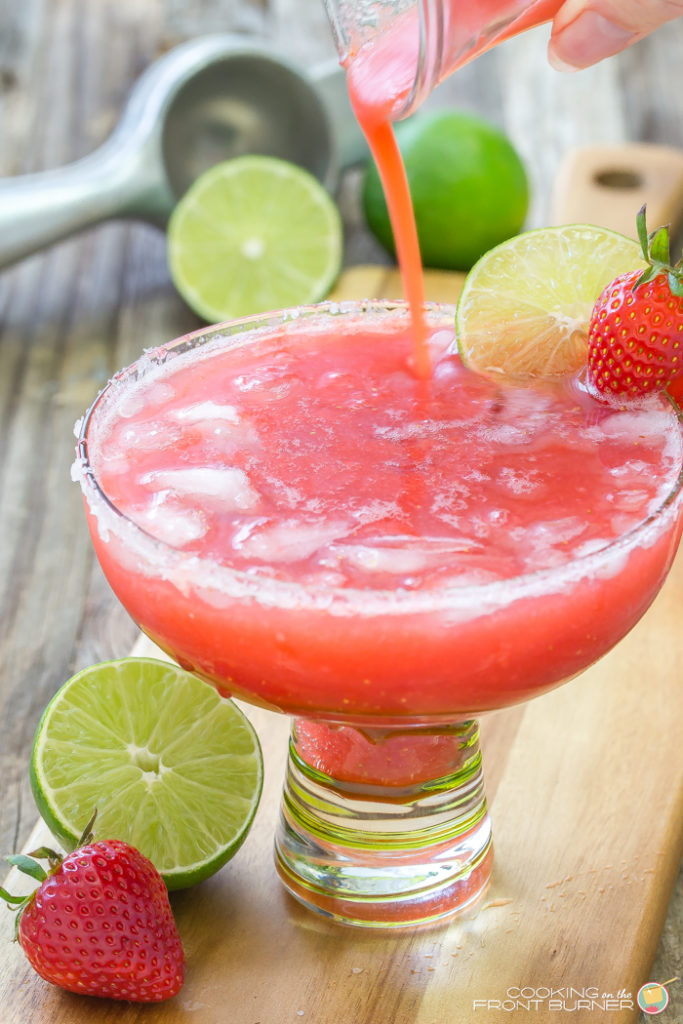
x=289 y=541
x=637 y=425
x=267 y=382
x=466 y=578
x=440 y=342
x=404 y=556
x=556 y=531
x=394 y=560
x=158 y=393
x=589 y=547
x=226 y=487
x=446 y=370
x=173 y=524
x=635 y=468
x=633 y=500
x=148 y=436
x=131 y=404
x=547 y=543
x=219 y=426
x=209 y=411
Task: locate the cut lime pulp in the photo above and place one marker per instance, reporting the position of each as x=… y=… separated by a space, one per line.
x=526 y=305
x=173 y=768
x=251 y=235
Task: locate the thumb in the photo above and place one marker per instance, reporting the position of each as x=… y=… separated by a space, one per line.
x=586 y=31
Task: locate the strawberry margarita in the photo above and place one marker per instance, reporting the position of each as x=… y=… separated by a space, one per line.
x=291 y=513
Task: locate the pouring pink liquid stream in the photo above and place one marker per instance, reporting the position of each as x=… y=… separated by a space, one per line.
x=382 y=78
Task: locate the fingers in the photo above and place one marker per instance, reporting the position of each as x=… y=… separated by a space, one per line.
x=586 y=31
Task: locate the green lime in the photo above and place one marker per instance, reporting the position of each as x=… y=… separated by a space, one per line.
x=251 y=235
x=468 y=186
x=173 y=768
x=525 y=307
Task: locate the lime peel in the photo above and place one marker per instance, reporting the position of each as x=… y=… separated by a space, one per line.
x=173 y=768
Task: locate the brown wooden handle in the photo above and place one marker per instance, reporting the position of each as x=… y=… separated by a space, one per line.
x=607 y=185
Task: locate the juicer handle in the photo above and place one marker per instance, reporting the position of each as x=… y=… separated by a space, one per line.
x=122 y=178
x=607 y=185
x=39 y=209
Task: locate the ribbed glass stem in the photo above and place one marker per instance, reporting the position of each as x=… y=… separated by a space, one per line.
x=384 y=828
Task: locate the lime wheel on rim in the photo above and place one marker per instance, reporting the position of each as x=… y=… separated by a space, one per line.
x=525 y=307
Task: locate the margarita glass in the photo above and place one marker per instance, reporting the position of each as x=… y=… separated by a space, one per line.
x=292 y=513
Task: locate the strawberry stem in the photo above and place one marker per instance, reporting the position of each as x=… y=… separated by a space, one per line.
x=641 y=226
x=657 y=252
x=27 y=865
x=53 y=858
x=88 y=836
x=9 y=897
x=659 y=246
x=675 y=285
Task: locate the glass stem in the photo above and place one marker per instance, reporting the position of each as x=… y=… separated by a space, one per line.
x=385 y=827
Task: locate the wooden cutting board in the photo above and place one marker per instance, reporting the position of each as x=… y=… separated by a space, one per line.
x=584 y=786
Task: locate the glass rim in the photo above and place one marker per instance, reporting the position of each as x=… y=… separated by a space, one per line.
x=202 y=573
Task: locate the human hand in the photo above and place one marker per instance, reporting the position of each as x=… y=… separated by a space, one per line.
x=586 y=31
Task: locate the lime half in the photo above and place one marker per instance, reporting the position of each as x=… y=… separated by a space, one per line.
x=173 y=768
x=526 y=305
x=252 y=235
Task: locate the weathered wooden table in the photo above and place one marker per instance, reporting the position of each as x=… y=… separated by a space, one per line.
x=72 y=315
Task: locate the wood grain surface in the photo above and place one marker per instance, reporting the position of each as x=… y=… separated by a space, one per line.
x=72 y=315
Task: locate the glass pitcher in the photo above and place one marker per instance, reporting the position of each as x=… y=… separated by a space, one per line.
x=397 y=51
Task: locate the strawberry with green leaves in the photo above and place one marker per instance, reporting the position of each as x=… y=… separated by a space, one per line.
x=635 y=338
x=100 y=923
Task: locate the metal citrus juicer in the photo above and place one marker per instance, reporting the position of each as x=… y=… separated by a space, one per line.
x=207 y=100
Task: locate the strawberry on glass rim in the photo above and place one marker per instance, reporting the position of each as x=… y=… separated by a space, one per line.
x=635 y=335
x=100 y=922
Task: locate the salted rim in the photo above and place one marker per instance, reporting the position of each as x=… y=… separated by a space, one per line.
x=190 y=572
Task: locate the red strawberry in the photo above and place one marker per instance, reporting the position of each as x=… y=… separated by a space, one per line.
x=635 y=337
x=100 y=923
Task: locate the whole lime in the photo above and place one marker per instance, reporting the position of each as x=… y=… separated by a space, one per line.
x=468 y=184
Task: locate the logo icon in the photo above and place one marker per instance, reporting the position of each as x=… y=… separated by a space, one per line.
x=653 y=997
